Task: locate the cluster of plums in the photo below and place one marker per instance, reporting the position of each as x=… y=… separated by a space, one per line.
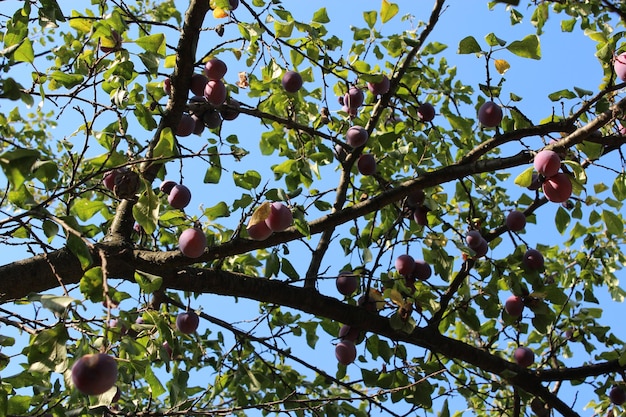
x=123 y=182
x=278 y=219
x=556 y=185
x=96 y=373
x=347 y=282
x=210 y=102
x=178 y=195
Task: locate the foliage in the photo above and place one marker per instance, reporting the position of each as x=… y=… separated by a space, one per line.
x=83 y=96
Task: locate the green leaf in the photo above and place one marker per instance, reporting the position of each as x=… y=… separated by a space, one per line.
x=493 y=40
x=283 y=30
x=619 y=187
x=557 y=95
x=80 y=249
x=614 y=224
x=388 y=11
x=85 y=209
x=214 y=172
x=25 y=52
x=91 y=284
x=64 y=80
x=55 y=303
x=469 y=45
x=152 y=43
x=148 y=283
x=370 y=18
x=321 y=16
x=248 y=180
x=48 y=350
x=525 y=178
x=562 y=219
x=287 y=268
x=146 y=210
x=218 y=210
x=165 y=146
x=526 y=48
x=17 y=165
x=156 y=388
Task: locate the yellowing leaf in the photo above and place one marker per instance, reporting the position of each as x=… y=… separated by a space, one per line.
x=388 y=11
x=260 y=214
x=375 y=296
x=501 y=66
x=220 y=13
x=396 y=297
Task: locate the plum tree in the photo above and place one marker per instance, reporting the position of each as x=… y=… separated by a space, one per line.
x=179 y=196
x=523 y=356
x=192 y=242
x=91 y=241
x=94 y=373
x=490 y=114
x=187 y=322
x=292 y=81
